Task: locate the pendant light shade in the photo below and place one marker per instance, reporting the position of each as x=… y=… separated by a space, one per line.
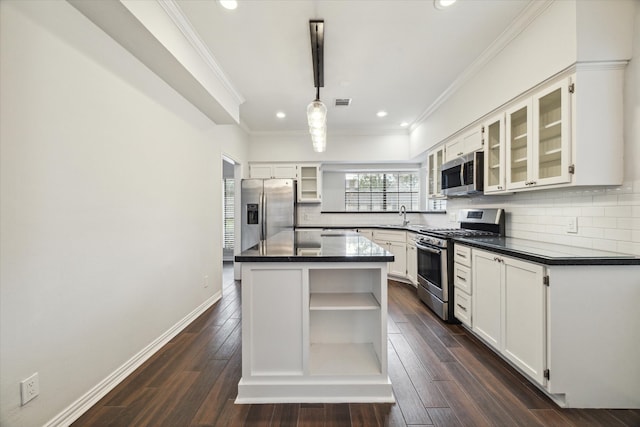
x=316 y=110
x=316 y=114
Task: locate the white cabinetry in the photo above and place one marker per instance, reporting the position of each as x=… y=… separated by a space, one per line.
x=366 y=232
x=462 y=284
x=524 y=317
x=412 y=259
x=436 y=158
x=494 y=155
x=309 y=184
x=468 y=142
x=396 y=243
x=314 y=332
x=272 y=170
x=538 y=139
x=486 y=290
x=509 y=303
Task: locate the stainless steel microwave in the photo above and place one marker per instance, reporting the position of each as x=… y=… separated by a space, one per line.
x=463 y=175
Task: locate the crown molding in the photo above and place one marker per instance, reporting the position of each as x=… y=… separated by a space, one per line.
x=530 y=13
x=601 y=65
x=174 y=12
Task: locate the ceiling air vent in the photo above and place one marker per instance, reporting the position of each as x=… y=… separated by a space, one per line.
x=343 y=102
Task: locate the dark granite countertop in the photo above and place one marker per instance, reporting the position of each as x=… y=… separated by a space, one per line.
x=549 y=253
x=414 y=228
x=316 y=246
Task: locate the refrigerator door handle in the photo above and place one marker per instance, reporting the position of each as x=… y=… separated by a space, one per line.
x=263 y=213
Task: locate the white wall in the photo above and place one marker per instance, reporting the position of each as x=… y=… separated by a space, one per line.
x=110 y=206
x=340 y=148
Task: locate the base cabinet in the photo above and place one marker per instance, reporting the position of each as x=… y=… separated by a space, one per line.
x=396 y=243
x=554 y=324
x=509 y=310
x=486 y=302
x=412 y=259
x=524 y=317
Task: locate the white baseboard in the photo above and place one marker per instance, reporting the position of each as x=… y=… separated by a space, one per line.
x=84 y=403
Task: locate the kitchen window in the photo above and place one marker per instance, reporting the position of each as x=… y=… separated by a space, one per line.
x=381 y=191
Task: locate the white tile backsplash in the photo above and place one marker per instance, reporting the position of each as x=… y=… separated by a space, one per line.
x=608 y=218
x=618 y=211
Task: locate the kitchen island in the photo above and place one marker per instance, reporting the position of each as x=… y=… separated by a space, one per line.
x=314 y=319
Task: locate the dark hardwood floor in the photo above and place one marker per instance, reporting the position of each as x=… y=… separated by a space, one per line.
x=441 y=376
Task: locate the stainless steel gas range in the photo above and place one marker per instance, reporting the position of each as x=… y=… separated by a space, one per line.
x=435 y=256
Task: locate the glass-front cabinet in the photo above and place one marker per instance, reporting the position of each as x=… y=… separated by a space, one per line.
x=519 y=145
x=436 y=158
x=538 y=139
x=494 y=154
x=552 y=118
x=309 y=184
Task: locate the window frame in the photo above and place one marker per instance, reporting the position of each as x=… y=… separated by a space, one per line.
x=390 y=192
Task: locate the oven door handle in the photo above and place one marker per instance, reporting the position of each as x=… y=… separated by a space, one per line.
x=428 y=249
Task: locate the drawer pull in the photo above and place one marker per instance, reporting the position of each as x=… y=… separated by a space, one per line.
x=461 y=255
x=464 y=279
x=462 y=307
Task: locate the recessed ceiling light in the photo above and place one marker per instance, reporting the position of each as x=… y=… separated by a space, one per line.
x=381 y=113
x=281 y=115
x=404 y=124
x=442 y=4
x=228 y=4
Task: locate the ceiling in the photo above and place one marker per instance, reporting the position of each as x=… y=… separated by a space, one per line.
x=393 y=55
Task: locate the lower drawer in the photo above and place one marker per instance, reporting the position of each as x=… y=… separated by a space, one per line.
x=462 y=306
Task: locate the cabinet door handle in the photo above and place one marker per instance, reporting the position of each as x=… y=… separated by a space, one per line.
x=462 y=307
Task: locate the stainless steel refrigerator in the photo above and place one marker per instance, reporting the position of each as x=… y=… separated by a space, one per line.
x=268 y=207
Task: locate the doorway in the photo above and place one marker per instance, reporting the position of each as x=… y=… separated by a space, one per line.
x=228 y=209
x=231 y=177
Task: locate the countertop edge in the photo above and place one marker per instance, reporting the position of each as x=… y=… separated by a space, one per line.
x=351 y=227
x=320 y=259
x=567 y=261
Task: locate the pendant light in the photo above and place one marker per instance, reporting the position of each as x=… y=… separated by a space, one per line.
x=316 y=110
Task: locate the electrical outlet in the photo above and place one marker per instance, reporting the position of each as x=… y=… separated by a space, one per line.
x=205 y=281
x=572 y=224
x=29 y=388
x=452 y=217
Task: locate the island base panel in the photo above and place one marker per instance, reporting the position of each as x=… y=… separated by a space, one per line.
x=365 y=392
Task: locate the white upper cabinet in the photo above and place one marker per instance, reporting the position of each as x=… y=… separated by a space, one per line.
x=472 y=140
x=494 y=153
x=273 y=170
x=308 y=176
x=436 y=158
x=309 y=184
x=538 y=139
x=468 y=142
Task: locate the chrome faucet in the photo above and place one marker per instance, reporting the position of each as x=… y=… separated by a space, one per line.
x=403 y=212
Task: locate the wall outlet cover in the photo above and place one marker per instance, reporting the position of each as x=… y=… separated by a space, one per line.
x=29 y=388
x=572 y=224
